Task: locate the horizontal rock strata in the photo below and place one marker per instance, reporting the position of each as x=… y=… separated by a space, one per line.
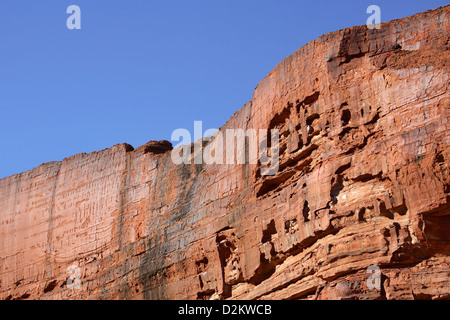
x=363 y=181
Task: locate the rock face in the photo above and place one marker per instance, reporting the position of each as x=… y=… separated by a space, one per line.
x=363 y=181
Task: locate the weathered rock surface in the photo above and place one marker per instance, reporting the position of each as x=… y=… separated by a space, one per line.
x=363 y=180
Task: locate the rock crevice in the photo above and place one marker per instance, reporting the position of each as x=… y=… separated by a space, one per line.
x=363 y=180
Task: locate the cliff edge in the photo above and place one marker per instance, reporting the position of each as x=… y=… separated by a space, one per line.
x=363 y=188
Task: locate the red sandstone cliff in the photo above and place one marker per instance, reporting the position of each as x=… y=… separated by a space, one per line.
x=363 y=180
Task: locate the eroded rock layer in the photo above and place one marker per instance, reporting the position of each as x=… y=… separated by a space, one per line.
x=363 y=180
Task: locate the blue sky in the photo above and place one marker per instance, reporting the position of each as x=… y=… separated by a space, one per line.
x=139 y=69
